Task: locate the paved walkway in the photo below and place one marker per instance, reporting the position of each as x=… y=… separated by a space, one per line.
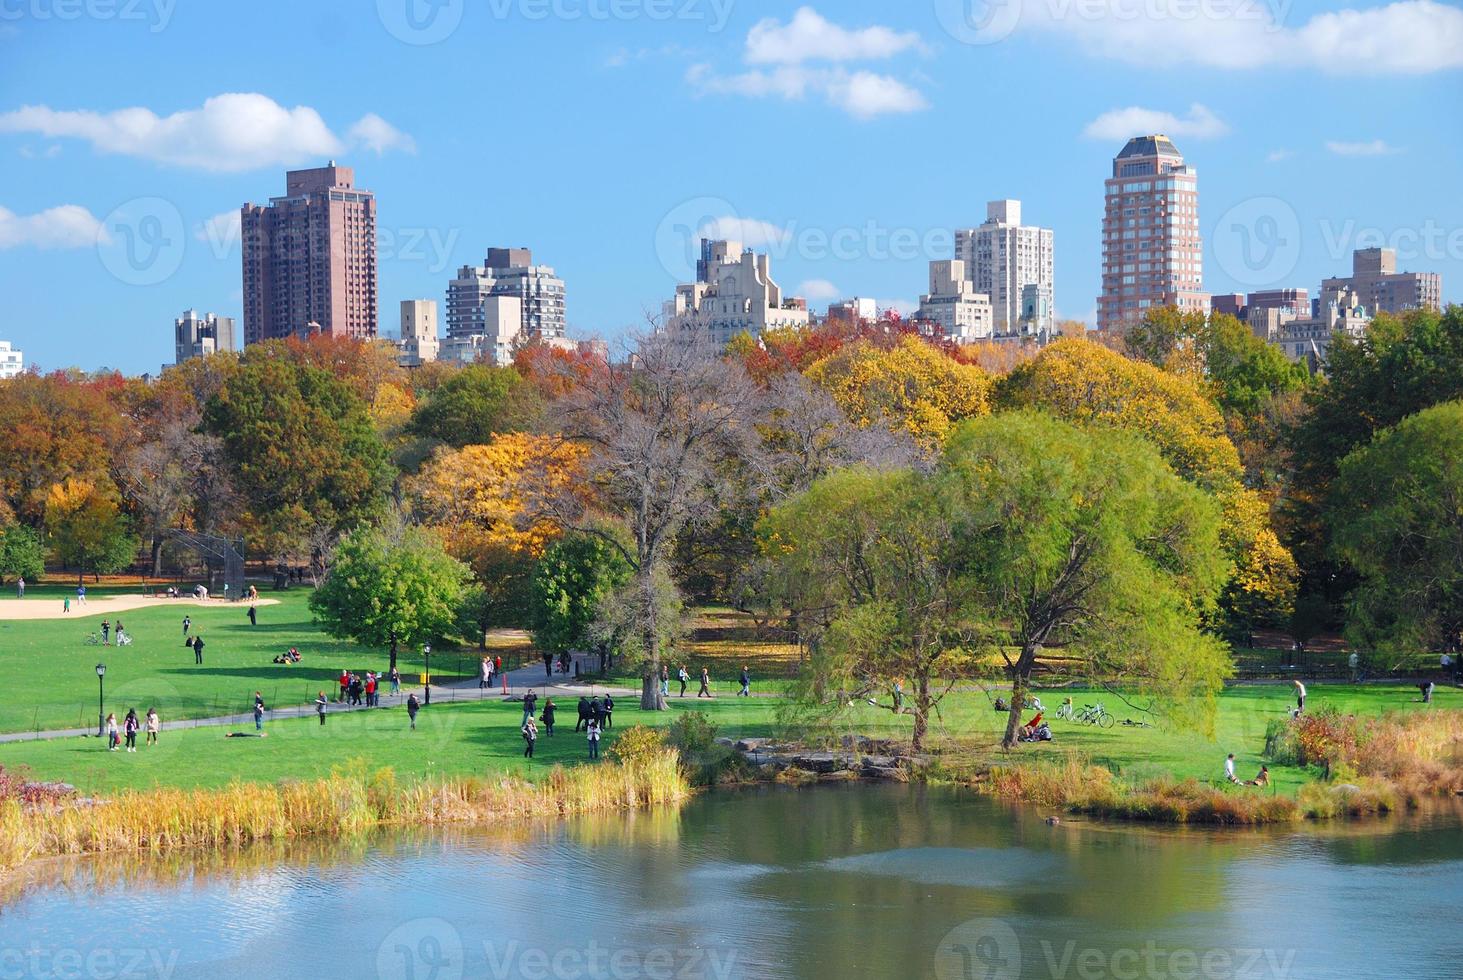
x=518 y=683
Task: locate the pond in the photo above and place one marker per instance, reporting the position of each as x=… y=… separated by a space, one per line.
x=847 y=881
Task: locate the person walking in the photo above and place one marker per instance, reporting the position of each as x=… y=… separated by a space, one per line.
x=548 y=715
x=65 y=605
x=412 y=707
x=530 y=701
x=320 y=703
x=153 y=726
x=485 y=674
x=530 y=736
x=593 y=736
x=253 y=615
x=609 y=711
x=1300 y=696
x=683 y=676
x=345 y=685
x=746 y=690
x=395 y=682
x=130 y=725
x=705 y=691
x=258 y=712
x=371 y=701
x=111 y=727
x=187 y=624
x=548 y=665
x=198 y=649
x=665 y=680
x=81 y=595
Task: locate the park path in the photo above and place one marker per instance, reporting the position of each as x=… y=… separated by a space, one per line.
x=519 y=681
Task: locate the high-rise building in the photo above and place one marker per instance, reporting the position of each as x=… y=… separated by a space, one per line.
x=734 y=293
x=199 y=336
x=12 y=361
x=418 y=342
x=1002 y=259
x=310 y=258
x=477 y=305
x=953 y=305
x=1152 y=254
x=1377 y=283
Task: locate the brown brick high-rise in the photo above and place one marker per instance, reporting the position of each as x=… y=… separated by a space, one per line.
x=310 y=258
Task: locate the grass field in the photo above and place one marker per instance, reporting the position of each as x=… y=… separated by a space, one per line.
x=50 y=673
x=478 y=738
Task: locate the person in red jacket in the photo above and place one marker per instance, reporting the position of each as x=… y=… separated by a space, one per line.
x=345 y=683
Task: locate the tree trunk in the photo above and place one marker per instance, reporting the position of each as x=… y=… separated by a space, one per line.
x=393 y=651
x=157 y=556
x=650 y=697
x=921 y=710
x=1019 y=686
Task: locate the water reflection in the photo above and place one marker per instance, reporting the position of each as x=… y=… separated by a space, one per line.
x=841 y=881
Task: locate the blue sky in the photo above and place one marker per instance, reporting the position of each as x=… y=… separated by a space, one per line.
x=847 y=138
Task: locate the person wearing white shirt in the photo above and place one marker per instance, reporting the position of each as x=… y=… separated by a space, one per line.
x=1229 y=768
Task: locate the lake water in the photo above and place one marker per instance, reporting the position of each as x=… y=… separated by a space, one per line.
x=856 y=881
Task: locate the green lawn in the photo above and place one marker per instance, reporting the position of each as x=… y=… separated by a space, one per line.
x=482 y=737
x=50 y=674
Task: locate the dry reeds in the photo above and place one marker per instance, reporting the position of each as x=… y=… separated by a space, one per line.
x=347 y=803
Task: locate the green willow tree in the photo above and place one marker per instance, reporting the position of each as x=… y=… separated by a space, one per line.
x=571 y=581
x=1396 y=518
x=1085 y=544
x=384 y=590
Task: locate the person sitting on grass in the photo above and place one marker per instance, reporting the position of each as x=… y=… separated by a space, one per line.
x=1229 y=768
x=1028 y=730
x=1262 y=779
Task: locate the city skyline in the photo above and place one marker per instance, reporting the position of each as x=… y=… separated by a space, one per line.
x=1286 y=196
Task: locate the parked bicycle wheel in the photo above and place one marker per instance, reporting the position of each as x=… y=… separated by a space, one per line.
x=1106 y=720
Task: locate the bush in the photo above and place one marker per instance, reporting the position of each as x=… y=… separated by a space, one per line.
x=637 y=744
x=691 y=734
x=1282 y=747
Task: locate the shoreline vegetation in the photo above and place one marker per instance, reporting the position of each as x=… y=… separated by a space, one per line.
x=348 y=802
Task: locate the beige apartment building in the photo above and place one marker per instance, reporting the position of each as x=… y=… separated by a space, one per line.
x=953 y=307
x=1013 y=264
x=1377 y=283
x=734 y=293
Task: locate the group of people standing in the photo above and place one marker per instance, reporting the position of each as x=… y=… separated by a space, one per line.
x=595 y=715
x=131 y=725
x=358 y=690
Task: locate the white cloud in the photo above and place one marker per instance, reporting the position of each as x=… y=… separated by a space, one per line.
x=66 y=226
x=221 y=231
x=808 y=36
x=1275 y=156
x=904 y=307
x=1371 y=148
x=230 y=132
x=779 y=54
x=861 y=94
x=377 y=135
x=1408 y=37
x=751 y=232
x=817 y=290
x=1121 y=124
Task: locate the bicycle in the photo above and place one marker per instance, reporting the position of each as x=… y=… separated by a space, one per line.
x=1066 y=711
x=1096 y=714
x=92 y=640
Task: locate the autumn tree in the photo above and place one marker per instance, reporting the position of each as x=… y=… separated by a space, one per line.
x=1086 y=544
x=658 y=428
x=302 y=452
x=475 y=404
x=1094 y=387
x=56 y=427
x=866 y=562
x=910 y=388
x=1396 y=517
x=390 y=587
x=87 y=529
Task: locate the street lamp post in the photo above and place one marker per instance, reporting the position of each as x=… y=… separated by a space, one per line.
x=101 y=699
x=427 y=673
